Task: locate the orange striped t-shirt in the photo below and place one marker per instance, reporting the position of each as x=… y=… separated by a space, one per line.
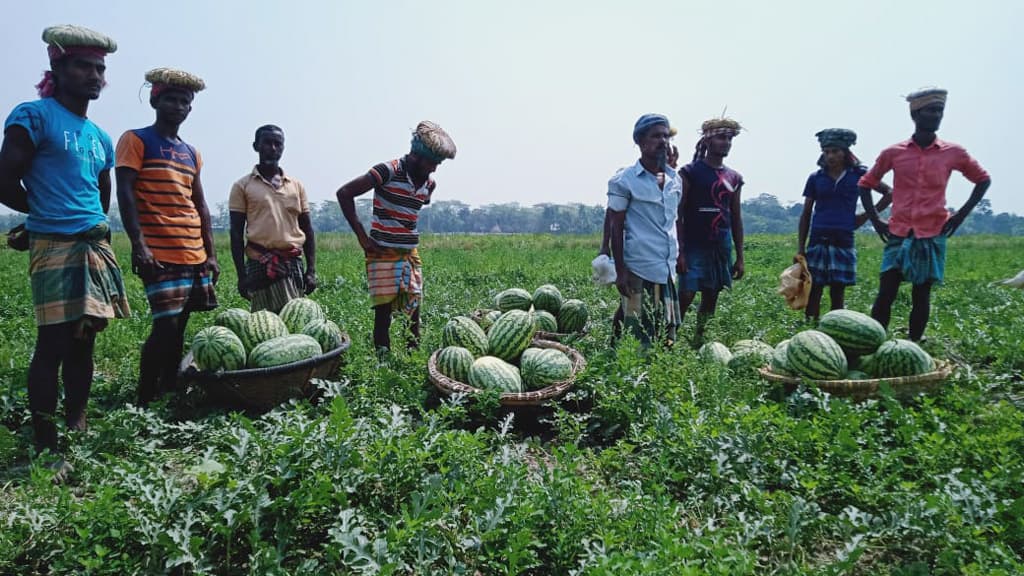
x=167 y=215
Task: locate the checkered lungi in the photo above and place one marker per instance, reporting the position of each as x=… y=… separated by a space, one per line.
x=832 y=258
x=920 y=260
x=651 y=307
x=74 y=277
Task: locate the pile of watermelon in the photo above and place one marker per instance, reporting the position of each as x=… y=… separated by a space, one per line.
x=847 y=345
x=493 y=352
x=551 y=312
x=263 y=339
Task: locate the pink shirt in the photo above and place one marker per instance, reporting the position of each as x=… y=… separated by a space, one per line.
x=919 y=185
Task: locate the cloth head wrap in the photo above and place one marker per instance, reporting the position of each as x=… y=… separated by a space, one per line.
x=69 y=40
x=431 y=142
x=837 y=137
x=925 y=97
x=645 y=123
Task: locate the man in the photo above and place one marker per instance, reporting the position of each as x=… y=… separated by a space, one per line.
x=916 y=232
x=710 y=222
x=271 y=227
x=830 y=196
x=643 y=201
x=400 y=189
x=55 y=165
x=165 y=215
x=672 y=161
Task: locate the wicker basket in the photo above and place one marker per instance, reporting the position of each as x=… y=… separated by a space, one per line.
x=264 y=388
x=532 y=398
x=902 y=386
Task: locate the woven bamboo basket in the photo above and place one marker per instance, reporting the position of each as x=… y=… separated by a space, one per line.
x=264 y=388
x=553 y=391
x=902 y=386
x=540 y=334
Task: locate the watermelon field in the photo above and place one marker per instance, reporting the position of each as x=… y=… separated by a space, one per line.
x=656 y=463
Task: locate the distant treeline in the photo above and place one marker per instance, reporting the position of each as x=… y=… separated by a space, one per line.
x=762 y=214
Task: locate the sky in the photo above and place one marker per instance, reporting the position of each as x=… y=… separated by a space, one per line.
x=540 y=96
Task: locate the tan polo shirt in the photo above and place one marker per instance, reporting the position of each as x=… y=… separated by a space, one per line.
x=271 y=214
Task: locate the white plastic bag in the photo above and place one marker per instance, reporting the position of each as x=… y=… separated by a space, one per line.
x=604 y=270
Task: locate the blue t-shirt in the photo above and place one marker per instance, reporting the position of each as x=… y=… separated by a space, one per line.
x=63 y=180
x=835 y=201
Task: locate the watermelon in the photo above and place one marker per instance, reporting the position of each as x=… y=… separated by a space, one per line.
x=455 y=362
x=715 y=352
x=325 y=332
x=232 y=318
x=463 y=332
x=298 y=312
x=510 y=335
x=484 y=319
x=856 y=332
x=815 y=355
x=750 y=358
x=540 y=367
x=490 y=373
x=901 y=358
x=857 y=375
x=545 y=321
x=284 y=350
x=758 y=344
x=513 y=299
x=779 y=361
x=260 y=327
x=547 y=298
x=492 y=317
x=865 y=364
x=572 y=317
x=218 y=348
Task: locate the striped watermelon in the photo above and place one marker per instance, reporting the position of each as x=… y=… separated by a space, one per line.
x=298 y=312
x=218 y=348
x=780 y=361
x=492 y=317
x=547 y=298
x=901 y=358
x=284 y=350
x=540 y=367
x=815 y=355
x=325 y=332
x=857 y=375
x=510 y=335
x=757 y=344
x=484 y=319
x=490 y=373
x=455 y=362
x=545 y=321
x=233 y=319
x=513 y=299
x=260 y=327
x=572 y=317
x=865 y=364
x=715 y=352
x=856 y=332
x=463 y=332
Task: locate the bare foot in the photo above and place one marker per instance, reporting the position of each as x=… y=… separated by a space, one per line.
x=77 y=421
x=62 y=470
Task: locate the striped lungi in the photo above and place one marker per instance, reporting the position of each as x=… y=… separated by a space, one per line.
x=74 y=277
x=176 y=288
x=651 y=307
x=395 y=276
x=273 y=294
x=920 y=260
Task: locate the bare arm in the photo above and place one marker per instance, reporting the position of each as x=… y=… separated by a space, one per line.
x=805 y=225
x=309 y=249
x=199 y=200
x=957 y=219
x=346 y=199
x=607 y=237
x=617 y=223
x=238 y=249
x=16 y=156
x=129 y=212
x=681 y=225
x=737 y=234
x=882 y=204
x=881 y=227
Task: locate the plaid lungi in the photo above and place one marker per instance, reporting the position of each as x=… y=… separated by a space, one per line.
x=395 y=276
x=273 y=294
x=651 y=307
x=179 y=287
x=75 y=276
x=920 y=260
x=832 y=258
x=709 y=266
